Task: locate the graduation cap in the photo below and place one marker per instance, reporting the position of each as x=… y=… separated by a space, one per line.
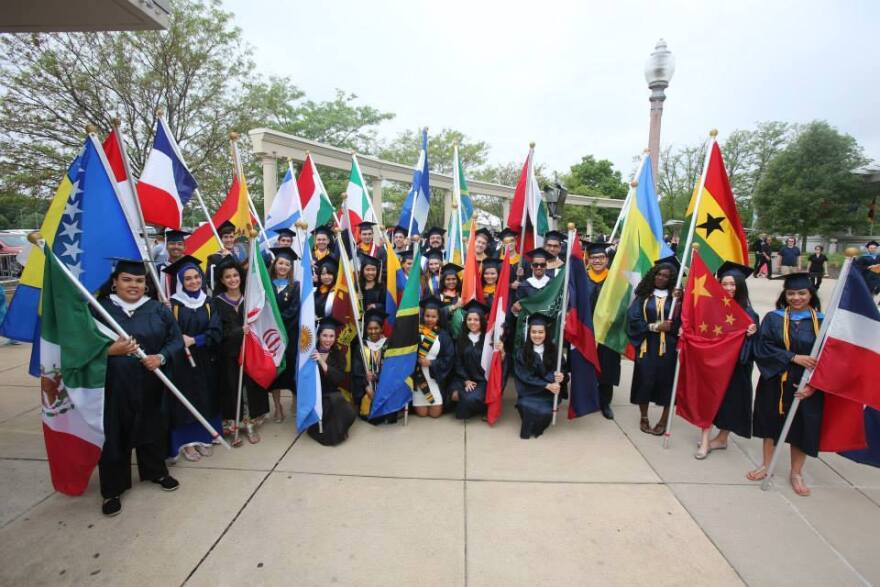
x=539 y=320
x=325 y=230
x=329 y=262
x=284 y=253
x=366 y=225
x=374 y=315
x=597 y=248
x=434 y=254
x=430 y=303
x=285 y=232
x=540 y=253
x=733 y=269
x=180 y=264
x=872 y=243
x=225 y=262
x=486 y=233
x=127 y=265
x=434 y=230
x=799 y=280
x=476 y=307
x=492 y=263
x=508 y=232
x=368 y=260
x=329 y=322
x=226 y=228
x=554 y=235
x=451 y=269
x=402 y=255
x=175 y=236
x=401 y=230
x=670 y=260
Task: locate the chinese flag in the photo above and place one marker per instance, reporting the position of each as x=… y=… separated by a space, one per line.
x=713 y=328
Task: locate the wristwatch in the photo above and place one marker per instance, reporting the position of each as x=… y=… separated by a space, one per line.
x=161 y=359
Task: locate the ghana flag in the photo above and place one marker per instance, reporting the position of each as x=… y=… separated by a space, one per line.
x=717 y=227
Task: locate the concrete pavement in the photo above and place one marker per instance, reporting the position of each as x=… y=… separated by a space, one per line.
x=442 y=503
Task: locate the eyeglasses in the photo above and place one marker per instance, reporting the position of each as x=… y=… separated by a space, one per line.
x=539 y=264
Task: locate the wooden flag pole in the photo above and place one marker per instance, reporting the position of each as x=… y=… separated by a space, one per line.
x=572 y=234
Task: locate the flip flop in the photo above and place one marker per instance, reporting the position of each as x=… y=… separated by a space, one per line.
x=799 y=480
x=758 y=474
x=645 y=425
x=700 y=455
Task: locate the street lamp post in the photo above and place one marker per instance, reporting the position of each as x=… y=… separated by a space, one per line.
x=658 y=71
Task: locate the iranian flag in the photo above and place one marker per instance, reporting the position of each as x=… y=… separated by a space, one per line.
x=73 y=364
x=266 y=340
x=317 y=209
x=357 y=200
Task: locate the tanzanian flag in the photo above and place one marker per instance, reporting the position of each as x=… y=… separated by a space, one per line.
x=395 y=381
x=718 y=229
x=641 y=244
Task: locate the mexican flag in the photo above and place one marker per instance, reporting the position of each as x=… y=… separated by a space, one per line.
x=317 y=210
x=357 y=200
x=73 y=364
x=266 y=341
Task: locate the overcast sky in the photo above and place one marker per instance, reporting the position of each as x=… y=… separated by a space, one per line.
x=570 y=74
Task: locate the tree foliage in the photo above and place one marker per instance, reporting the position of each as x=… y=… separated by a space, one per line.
x=405 y=149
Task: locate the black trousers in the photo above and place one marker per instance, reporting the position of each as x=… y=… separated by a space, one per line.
x=606 y=392
x=816 y=278
x=760 y=261
x=116 y=475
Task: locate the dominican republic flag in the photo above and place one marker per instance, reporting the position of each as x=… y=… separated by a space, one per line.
x=583 y=360
x=166 y=184
x=848 y=366
x=414 y=214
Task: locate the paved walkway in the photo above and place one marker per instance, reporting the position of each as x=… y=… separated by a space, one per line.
x=442 y=503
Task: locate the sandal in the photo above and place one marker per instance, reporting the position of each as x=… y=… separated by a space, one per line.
x=205 y=451
x=701 y=455
x=798 y=485
x=645 y=425
x=758 y=474
x=252 y=435
x=659 y=429
x=190 y=454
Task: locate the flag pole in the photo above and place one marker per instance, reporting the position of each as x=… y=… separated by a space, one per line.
x=252 y=258
x=805 y=377
x=572 y=234
x=351 y=290
x=685 y=259
x=629 y=195
x=456 y=202
x=37 y=239
x=529 y=179
x=378 y=217
x=239 y=171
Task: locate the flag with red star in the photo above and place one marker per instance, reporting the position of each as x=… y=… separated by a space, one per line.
x=713 y=329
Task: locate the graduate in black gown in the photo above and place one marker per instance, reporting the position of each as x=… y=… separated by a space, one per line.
x=553 y=242
x=538 y=280
x=287 y=298
x=338 y=414
x=654 y=334
x=366 y=365
x=134 y=418
x=735 y=412
x=536 y=377
x=609 y=359
x=436 y=356
x=490 y=274
x=868 y=264
x=467 y=387
x=327 y=271
x=230 y=247
x=324 y=244
x=782 y=352
x=451 y=317
x=371 y=291
x=194 y=370
x=229 y=305
x=431 y=283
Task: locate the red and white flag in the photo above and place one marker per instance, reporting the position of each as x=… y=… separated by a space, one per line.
x=266 y=341
x=491 y=359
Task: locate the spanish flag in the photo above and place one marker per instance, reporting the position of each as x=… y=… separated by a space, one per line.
x=202 y=242
x=717 y=229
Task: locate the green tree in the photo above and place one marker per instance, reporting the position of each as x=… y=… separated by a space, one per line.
x=595 y=177
x=405 y=149
x=809 y=187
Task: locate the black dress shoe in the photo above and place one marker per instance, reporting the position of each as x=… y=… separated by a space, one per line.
x=168 y=483
x=607 y=412
x=111 y=507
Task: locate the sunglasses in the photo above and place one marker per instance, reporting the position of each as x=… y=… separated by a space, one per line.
x=539 y=264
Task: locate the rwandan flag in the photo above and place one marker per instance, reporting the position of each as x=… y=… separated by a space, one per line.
x=395 y=381
x=583 y=360
x=718 y=230
x=641 y=244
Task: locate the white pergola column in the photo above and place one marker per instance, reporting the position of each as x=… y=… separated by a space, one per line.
x=447 y=207
x=590 y=228
x=376 y=186
x=270 y=182
x=505 y=212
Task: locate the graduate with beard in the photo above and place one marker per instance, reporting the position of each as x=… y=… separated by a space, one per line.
x=609 y=359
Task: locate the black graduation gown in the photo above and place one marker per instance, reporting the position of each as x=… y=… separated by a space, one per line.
x=534 y=403
x=321 y=301
x=198 y=384
x=232 y=319
x=468 y=367
x=735 y=412
x=773 y=362
x=134 y=417
x=871 y=279
x=338 y=414
x=526 y=289
x=359 y=383
x=373 y=298
x=441 y=367
x=288 y=306
x=653 y=372
x=609 y=359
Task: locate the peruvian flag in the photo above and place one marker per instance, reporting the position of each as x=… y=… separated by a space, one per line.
x=848 y=366
x=266 y=340
x=166 y=184
x=491 y=359
x=528 y=213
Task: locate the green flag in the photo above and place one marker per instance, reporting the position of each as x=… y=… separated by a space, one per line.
x=548 y=301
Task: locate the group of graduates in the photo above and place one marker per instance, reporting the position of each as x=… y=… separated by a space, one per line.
x=195 y=335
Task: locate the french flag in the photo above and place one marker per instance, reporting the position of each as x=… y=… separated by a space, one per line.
x=165 y=185
x=848 y=367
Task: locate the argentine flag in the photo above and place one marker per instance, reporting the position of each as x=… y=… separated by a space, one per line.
x=414 y=214
x=309 y=408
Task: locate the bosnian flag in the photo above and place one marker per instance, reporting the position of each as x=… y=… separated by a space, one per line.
x=491 y=359
x=166 y=184
x=414 y=214
x=309 y=407
x=266 y=340
x=285 y=210
x=848 y=367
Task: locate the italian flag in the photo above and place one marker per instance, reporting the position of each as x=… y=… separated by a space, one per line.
x=266 y=340
x=316 y=206
x=357 y=200
x=73 y=365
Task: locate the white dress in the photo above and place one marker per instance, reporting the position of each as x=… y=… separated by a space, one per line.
x=419 y=398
